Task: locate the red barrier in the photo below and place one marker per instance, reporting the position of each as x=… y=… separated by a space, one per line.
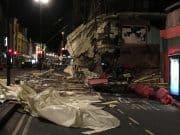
x=143 y=90
x=163 y=95
x=147 y=91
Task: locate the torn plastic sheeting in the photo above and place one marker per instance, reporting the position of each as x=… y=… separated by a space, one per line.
x=26 y=96
x=2 y=95
x=8 y=92
x=72 y=111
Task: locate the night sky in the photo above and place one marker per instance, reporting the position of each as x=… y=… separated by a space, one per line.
x=60 y=13
x=55 y=15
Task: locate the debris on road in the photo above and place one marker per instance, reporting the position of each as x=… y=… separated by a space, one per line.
x=111 y=104
x=64 y=101
x=2 y=95
x=67 y=100
x=8 y=92
x=154 y=79
x=148 y=91
x=69 y=109
x=45 y=74
x=151 y=85
x=97 y=81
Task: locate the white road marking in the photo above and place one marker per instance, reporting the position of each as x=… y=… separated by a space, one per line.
x=26 y=128
x=120 y=111
x=17 y=128
x=149 y=132
x=134 y=121
x=135 y=106
x=142 y=107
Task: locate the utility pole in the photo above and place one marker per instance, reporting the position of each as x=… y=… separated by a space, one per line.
x=8 y=67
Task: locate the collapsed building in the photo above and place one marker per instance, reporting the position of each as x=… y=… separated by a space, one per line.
x=119 y=40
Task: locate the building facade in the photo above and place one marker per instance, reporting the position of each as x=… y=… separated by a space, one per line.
x=18 y=37
x=170 y=39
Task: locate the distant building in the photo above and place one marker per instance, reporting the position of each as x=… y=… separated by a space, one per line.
x=18 y=37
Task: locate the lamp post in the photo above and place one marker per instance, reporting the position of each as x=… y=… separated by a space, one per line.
x=8 y=51
x=41 y=2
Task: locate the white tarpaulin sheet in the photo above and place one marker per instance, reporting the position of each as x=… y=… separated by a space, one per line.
x=8 y=92
x=69 y=109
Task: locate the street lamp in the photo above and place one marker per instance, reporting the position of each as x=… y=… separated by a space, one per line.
x=42 y=1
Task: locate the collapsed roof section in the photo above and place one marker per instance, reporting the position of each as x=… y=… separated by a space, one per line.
x=86 y=45
x=90 y=43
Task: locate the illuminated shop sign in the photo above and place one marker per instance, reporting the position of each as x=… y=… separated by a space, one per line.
x=175 y=76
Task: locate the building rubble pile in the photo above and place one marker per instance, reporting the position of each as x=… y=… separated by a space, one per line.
x=100 y=42
x=146 y=83
x=91 y=42
x=86 y=46
x=62 y=100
